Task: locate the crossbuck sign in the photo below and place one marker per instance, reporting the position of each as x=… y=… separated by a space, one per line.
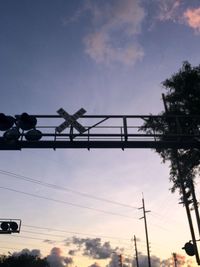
x=71 y=120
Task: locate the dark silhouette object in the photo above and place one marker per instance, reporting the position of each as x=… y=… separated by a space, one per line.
x=23 y=122
x=136 y=251
x=120 y=260
x=13 y=226
x=146 y=231
x=33 y=135
x=6 y=122
x=181 y=101
x=189 y=248
x=12 y=134
x=26 y=122
x=10 y=226
x=23 y=260
x=4 y=226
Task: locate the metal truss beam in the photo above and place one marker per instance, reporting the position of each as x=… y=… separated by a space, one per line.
x=106 y=131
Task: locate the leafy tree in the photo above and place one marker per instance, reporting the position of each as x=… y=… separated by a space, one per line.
x=23 y=260
x=181 y=115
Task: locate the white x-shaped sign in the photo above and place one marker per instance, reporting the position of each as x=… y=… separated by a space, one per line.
x=71 y=120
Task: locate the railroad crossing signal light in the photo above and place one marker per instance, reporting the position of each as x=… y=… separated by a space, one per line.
x=189 y=248
x=10 y=226
x=6 y=122
x=26 y=121
x=12 y=134
x=14 y=127
x=33 y=135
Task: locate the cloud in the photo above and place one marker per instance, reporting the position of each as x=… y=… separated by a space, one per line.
x=143 y=261
x=169 y=10
x=93 y=247
x=181 y=260
x=56 y=259
x=116 y=25
x=114 y=262
x=192 y=18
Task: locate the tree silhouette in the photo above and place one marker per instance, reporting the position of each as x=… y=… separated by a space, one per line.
x=181 y=115
x=23 y=260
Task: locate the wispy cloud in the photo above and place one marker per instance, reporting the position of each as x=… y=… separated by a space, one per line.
x=169 y=10
x=100 y=48
x=192 y=18
x=116 y=26
x=174 y=10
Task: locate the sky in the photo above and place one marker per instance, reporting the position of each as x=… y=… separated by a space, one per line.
x=109 y=57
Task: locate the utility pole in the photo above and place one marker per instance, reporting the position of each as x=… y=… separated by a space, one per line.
x=136 y=252
x=146 y=230
x=183 y=190
x=195 y=203
x=175 y=259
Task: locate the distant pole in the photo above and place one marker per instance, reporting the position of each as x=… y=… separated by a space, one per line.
x=175 y=259
x=146 y=230
x=136 y=252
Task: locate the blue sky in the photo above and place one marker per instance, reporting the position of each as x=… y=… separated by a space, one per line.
x=109 y=57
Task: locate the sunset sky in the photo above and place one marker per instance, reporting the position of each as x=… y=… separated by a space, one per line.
x=109 y=57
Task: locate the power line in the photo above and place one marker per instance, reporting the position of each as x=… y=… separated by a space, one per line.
x=71 y=232
x=65 y=238
x=53 y=186
x=65 y=202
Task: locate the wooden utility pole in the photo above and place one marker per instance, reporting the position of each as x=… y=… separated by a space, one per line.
x=146 y=231
x=136 y=252
x=183 y=190
x=175 y=259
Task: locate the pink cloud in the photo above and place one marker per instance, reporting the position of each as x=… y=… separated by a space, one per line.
x=99 y=47
x=169 y=9
x=111 y=24
x=192 y=18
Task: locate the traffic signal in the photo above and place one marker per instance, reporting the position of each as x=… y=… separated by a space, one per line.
x=189 y=248
x=10 y=226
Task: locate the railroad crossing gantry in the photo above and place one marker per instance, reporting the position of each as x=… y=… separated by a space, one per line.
x=101 y=131
x=90 y=131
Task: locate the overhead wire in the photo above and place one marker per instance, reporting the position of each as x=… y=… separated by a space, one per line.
x=71 y=232
x=66 y=202
x=65 y=239
x=57 y=187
